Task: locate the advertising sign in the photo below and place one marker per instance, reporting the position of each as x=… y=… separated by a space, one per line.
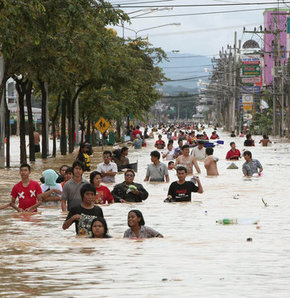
x=250 y=89
x=247 y=99
x=251 y=59
x=251 y=70
x=252 y=80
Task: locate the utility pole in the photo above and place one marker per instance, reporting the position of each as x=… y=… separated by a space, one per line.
x=2 y=114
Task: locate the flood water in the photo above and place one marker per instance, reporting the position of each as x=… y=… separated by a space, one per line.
x=196 y=257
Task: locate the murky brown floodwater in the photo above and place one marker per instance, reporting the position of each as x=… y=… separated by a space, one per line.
x=197 y=258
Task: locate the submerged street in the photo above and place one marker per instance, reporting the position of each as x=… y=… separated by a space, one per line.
x=196 y=257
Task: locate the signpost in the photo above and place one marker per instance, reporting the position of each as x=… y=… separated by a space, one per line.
x=102 y=125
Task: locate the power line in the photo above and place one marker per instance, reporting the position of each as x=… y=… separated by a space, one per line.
x=132 y=5
x=186 y=66
x=200 y=13
x=185 y=79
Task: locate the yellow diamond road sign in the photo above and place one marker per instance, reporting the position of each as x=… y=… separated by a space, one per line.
x=102 y=125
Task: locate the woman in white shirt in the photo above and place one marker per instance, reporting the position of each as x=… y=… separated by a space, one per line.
x=168 y=153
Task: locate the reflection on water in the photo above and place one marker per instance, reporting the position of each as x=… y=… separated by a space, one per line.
x=197 y=258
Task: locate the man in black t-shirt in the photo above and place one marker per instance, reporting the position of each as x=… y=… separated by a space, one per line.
x=180 y=191
x=84 y=214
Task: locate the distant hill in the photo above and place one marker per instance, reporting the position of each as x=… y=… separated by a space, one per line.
x=185 y=70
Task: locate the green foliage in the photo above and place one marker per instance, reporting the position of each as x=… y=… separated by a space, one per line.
x=263 y=123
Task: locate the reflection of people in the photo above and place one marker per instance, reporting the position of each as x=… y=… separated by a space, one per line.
x=137 y=228
x=129 y=191
x=180 y=191
x=265 y=141
x=251 y=166
x=27 y=191
x=83 y=214
x=210 y=162
x=157 y=170
x=234 y=153
x=36 y=137
x=108 y=169
x=103 y=193
x=99 y=228
x=5 y=206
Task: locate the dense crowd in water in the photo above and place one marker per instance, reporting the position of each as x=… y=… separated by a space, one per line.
x=82 y=199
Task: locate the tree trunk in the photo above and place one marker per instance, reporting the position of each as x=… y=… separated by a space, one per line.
x=53 y=126
x=88 y=134
x=30 y=122
x=70 y=126
x=44 y=119
x=63 y=145
x=21 y=88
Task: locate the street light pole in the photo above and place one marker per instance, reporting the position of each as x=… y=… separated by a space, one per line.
x=150 y=28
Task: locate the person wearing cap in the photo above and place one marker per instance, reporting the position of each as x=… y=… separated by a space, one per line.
x=198 y=152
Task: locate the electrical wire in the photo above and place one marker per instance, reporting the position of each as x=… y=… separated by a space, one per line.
x=201 y=13
x=132 y=5
x=186 y=79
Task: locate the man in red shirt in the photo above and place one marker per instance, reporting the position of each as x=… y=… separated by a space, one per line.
x=233 y=154
x=27 y=191
x=136 y=132
x=214 y=136
x=160 y=144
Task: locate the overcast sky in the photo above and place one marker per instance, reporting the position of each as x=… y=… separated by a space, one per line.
x=198 y=34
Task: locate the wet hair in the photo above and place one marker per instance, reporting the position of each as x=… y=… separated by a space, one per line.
x=93 y=175
x=60 y=169
x=78 y=163
x=87 y=187
x=107 y=152
x=25 y=165
x=103 y=222
x=248 y=136
x=155 y=153
x=140 y=215
x=209 y=151
x=129 y=171
x=181 y=168
x=265 y=137
x=231 y=143
x=124 y=149
x=249 y=153
x=184 y=147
